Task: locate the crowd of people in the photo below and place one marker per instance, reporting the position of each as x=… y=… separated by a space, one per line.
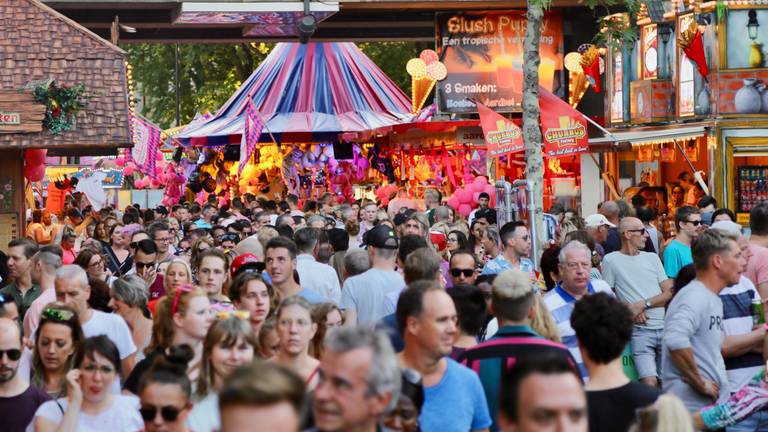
x=261 y=314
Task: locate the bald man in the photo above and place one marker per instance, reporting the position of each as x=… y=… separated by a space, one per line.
x=18 y=399
x=639 y=279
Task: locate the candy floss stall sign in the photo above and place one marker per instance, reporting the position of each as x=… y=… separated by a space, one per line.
x=484 y=58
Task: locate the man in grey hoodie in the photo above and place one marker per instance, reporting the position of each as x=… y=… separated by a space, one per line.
x=692 y=365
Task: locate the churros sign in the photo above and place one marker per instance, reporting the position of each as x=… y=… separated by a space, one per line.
x=563 y=128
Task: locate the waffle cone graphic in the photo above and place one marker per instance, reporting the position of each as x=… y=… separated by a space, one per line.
x=421 y=88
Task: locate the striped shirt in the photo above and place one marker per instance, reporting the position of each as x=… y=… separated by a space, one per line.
x=560 y=304
x=494 y=357
x=737 y=320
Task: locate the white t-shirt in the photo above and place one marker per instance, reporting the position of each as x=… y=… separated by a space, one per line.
x=318 y=277
x=366 y=294
x=204 y=416
x=635 y=278
x=114 y=327
x=122 y=416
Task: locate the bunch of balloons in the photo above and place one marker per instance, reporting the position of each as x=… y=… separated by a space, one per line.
x=465 y=199
x=34 y=164
x=384 y=193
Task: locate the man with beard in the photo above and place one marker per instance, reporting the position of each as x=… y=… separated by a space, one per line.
x=18 y=399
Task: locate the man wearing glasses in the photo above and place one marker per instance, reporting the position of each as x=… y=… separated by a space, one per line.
x=18 y=399
x=677 y=254
x=575 y=266
x=639 y=280
x=160 y=232
x=462 y=268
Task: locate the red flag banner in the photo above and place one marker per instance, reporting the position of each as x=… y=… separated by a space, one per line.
x=501 y=134
x=251 y=134
x=146 y=141
x=563 y=129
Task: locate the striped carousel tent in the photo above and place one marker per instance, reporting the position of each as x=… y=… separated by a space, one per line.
x=308 y=93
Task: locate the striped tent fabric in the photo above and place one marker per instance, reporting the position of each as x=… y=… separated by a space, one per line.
x=305 y=93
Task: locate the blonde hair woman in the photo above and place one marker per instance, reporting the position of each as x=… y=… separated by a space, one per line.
x=667 y=414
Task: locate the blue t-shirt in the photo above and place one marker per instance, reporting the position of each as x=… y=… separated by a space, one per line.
x=312 y=296
x=676 y=256
x=456 y=403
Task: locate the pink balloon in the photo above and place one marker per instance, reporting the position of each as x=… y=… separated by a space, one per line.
x=35 y=157
x=129 y=170
x=454 y=202
x=156 y=183
x=465 y=210
x=490 y=190
x=120 y=161
x=480 y=180
x=464 y=195
x=476 y=196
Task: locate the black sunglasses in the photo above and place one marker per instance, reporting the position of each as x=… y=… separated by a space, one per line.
x=466 y=272
x=694 y=223
x=13 y=354
x=169 y=413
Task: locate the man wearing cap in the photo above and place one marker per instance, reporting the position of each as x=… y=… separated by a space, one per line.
x=597 y=227
x=678 y=253
x=483 y=200
x=362 y=296
x=248 y=262
x=638 y=278
x=513 y=302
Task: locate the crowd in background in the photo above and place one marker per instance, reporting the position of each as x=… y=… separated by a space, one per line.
x=275 y=315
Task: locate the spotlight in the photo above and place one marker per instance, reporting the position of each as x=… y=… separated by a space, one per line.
x=307 y=26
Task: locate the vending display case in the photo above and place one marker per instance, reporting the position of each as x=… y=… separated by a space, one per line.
x=751 y=187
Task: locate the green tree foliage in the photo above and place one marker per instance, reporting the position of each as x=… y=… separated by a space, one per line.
x=209 y=74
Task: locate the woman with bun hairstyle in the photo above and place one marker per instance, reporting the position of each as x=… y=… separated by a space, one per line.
x=165 y=392
x=230 y=343
x=181 y=318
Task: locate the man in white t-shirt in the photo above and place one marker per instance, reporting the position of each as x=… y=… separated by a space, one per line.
x=639 y=280
x=72 y=288
x=316 y=276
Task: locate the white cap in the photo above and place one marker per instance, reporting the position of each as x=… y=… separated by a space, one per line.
x=597 y=220
x=728 y=226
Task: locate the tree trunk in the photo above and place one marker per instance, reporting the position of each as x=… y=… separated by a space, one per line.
x=534 y=161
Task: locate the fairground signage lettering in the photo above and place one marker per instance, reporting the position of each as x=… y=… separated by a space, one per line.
x=9 y=118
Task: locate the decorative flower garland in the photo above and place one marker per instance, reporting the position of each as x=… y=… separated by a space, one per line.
x=62 y=103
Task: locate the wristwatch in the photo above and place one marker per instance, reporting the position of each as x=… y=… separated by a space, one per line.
x=648 y=304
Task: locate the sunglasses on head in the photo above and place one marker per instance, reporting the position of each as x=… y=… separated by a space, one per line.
x=466 y=272
x=12 y=354
x=57 y=314
x=168 y=413
x=239 y=314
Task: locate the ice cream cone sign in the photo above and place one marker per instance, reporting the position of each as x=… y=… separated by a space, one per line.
x=425 y=71
x=691 y=42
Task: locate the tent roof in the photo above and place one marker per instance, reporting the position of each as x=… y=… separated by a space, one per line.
x=308 y=92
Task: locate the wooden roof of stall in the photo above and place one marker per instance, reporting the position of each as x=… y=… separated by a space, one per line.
x=38 y=44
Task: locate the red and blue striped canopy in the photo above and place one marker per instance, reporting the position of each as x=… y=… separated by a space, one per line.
x=307 y=93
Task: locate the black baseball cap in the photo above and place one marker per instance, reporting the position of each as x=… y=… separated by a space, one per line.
x=381 y=236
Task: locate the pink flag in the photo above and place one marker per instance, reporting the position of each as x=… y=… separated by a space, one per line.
x=251 y=134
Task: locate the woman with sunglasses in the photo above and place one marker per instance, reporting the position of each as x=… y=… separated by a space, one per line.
x=56 y=341
x=181 y=318
x=119 y=256
x=89 y=405
x=129 y=300
x=296 y=330
x=165 y=392
x=327 y=316
x=230 y=343
x=251 y=293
